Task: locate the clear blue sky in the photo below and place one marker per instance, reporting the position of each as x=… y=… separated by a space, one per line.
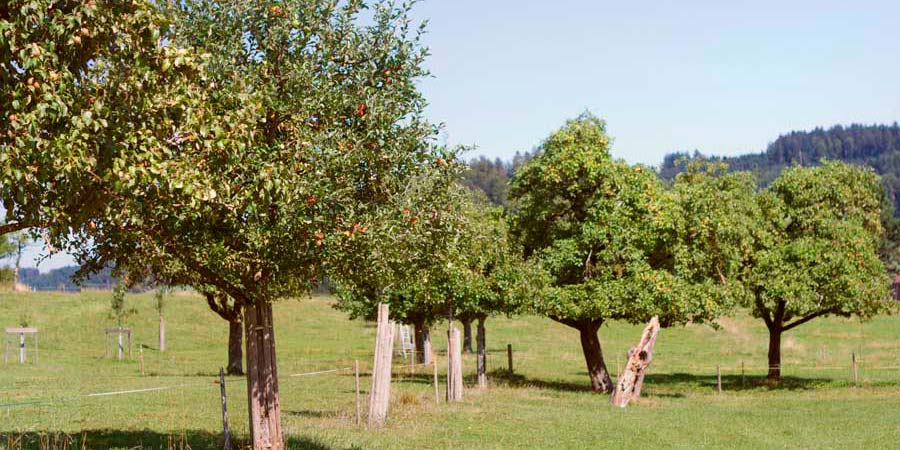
x=724 y=77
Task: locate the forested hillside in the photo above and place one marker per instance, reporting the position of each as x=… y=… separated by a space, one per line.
x=876 y=146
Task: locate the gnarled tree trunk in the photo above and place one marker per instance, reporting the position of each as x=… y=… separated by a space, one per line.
x=423 y=341
x=235 y=348
x=467 y=334
x=262 y=378
x=593 y=354
x=481 y=345
x=774 y=374
x=231 y=312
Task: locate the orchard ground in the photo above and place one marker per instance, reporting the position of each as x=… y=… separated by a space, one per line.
x=545 y=404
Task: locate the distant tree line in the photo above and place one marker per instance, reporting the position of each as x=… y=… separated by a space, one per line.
x=876 y=146
x=62 y=279
x=492 y=176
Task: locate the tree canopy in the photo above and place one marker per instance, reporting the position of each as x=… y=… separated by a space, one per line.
x=614 y=242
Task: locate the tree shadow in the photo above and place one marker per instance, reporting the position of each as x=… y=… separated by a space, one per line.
x=515 y=380
x=139 y=439
x=735 y=382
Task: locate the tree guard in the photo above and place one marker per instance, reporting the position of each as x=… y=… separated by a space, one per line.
x=21 y=332
x=639 y=357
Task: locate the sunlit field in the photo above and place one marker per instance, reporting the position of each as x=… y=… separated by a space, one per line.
x=545 y=403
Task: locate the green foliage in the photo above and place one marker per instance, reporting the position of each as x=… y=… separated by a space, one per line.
x=611 y=238
x=117 y=308
x=304 y=121
x=817 y=249
x=81 y=84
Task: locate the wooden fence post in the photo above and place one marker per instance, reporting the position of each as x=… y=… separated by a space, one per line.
x=509 y=358
x=225 y=435
x=380 y=396
x=356 y=371
x=719 y=378
x=855 y=373
x=454 y=368
x=437 y=398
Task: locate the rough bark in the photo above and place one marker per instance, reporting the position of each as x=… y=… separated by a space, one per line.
x=454 y=365
x=628 y=385
x=262 y=378
x=380 y=395
x=593 y=356
x=422 y=337
x=481 y=345
x=774 y=354
x=467 y=335
x=235 y=348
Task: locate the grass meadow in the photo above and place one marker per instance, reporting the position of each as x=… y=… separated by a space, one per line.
x=544 y=404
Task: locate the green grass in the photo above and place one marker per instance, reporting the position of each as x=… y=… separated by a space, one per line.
x=546 y=404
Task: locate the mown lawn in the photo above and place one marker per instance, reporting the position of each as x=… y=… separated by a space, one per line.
x=544 y=405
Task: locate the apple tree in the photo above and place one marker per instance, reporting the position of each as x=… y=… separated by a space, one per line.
x=608 y=236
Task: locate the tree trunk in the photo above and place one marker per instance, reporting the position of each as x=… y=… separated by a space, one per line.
x=262 y=378
x=593 y=356
x=162 y=333
x=235 y=350
x=482 y=354
x=423 y=342
x=774 y=354
x=467 y=335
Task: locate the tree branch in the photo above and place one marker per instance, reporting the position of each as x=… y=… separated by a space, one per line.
x=15 y=226
x=806 y=319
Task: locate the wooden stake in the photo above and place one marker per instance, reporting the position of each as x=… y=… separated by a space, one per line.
x=380 y=396
x=358 y=408
x=141 y=356
x=437 y=398
x=509 y=358
x=454 y=366
x=719 y=378
x=225 y=436
x=855 y=373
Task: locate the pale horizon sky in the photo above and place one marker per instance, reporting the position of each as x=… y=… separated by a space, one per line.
x=722 y=77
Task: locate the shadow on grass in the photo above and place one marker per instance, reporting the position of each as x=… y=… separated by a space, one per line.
x=689 y=381
x=735 y=382
x=137 y=439
x=503 y=377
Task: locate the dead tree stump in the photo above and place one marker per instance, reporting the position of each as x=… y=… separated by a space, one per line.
x=629 y=383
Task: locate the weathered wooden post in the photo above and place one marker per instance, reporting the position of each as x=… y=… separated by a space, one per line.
x=855 y=373
x=719 y=378
x=481 y=346
x=381 y=369
x=141 y=356
x=454 y=367
x=225 y=436
x=509 y=357
x=629 y=383
x=358 y=409
x=437 y=398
